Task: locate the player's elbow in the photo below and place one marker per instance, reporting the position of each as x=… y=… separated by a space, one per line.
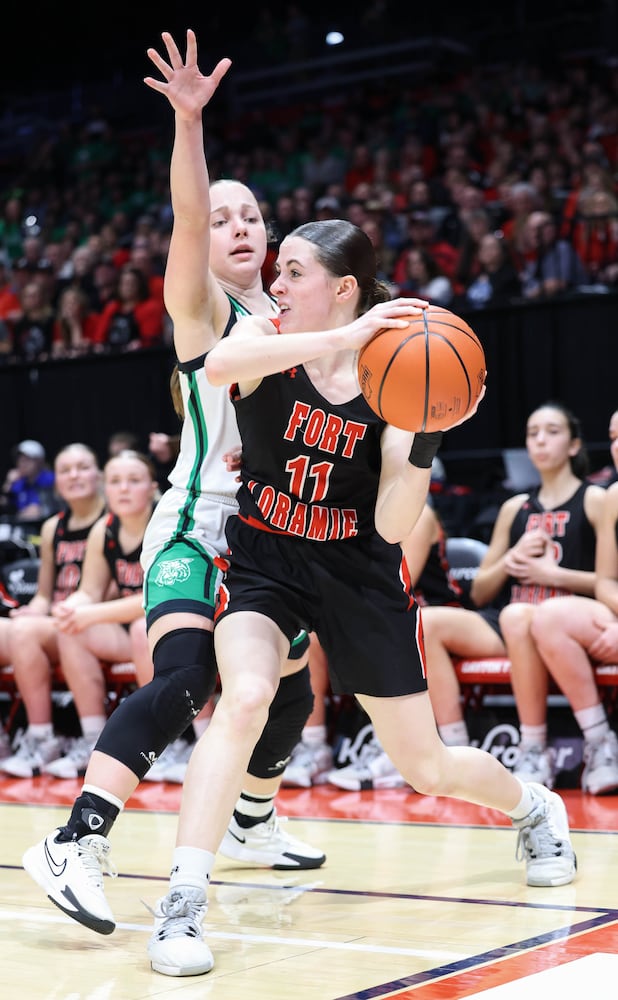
x=215 y=369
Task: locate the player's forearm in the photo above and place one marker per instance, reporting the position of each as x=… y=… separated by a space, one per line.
x=189 y=180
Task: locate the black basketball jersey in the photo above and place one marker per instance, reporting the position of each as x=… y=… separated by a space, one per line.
x=315 y=465
x=69 y=551
x=125 y=567
x=572 y=534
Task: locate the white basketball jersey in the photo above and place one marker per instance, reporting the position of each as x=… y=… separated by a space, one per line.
x=209 y=430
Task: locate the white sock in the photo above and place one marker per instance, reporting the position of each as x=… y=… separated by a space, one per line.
x=314 y=736
x=533 y=736
x=41 y=730
x=526 y=804
x=253 y=809
x=455 y=734
x=92 y=727
x=593 y=723
x=104 y=794
x=191 y=866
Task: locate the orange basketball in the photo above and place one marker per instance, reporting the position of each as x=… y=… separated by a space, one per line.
x=426 y=376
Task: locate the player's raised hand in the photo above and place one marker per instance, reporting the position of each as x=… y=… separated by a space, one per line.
x=185 y=87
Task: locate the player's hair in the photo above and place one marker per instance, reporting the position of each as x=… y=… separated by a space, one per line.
x=139 y=455
x=343 y=248
x=176 y=393
x=77 y=444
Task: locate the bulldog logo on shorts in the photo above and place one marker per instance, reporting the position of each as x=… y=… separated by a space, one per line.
x=173 y=571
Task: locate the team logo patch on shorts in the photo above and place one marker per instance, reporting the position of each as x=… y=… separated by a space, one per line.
x=173 y=571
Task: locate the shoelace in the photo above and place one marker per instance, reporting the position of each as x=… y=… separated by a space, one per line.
x=271 y=828
x=93 y=852
x=536 y=839
x=181 y=916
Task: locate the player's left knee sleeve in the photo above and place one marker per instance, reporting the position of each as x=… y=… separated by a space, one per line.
x=148 y=720
x=289 y=711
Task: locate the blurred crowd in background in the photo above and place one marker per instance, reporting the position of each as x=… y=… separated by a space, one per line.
x=483 y=187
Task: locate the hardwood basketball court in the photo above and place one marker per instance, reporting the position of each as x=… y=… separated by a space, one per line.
x=419 y=898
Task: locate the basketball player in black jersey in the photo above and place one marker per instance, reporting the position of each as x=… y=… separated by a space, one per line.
x=96 y=627
x=328 y=493
x=29 y=638
x=542 y=546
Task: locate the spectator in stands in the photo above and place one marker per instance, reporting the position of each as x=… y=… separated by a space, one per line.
x=105 y=281
x=384 y=254
x=595 y=236
x=94 y=628
x=74 y=325
x=552 y=265
x=80 y=274
x=143 y=259
x=134 y=319
x=477 y=224
x=11 y=239
x=45 y=276
x=321 y=167
x=591 y=176
x=467 y=199
x=29 y=637
x=33 y=247
x=10 y=302
x=303 y=204
x=520 y=200
x=283 y=220
x=574 y=633
x=424 y=279
x=163 y=449
x=33 y=331
x=421 y=234
x=497 y=282
x=29 y=486
x=361 y=168
x=327 y=207
x=121 y=441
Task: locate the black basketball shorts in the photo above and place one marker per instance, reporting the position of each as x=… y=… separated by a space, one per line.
x=352 y=593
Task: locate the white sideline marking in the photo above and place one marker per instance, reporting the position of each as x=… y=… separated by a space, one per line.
x=34 y=915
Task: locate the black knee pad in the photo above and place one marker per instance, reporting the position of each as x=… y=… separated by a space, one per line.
x=184 y=662
x=148 y=720
x=289 y=711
